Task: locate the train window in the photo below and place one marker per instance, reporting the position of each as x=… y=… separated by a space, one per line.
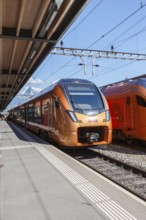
x=141 y=101
x=17 y=114
x=23 y=112
x=128 y=100
x=30 y=112
x=37 y=113
x=85 y=98
x=46 y=103
x=56 y=101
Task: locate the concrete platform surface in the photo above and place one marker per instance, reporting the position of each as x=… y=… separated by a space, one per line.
x=39 y=182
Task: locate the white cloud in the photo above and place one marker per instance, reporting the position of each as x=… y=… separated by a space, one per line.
x=35 y=84
x=35 y=81
x=36 y=89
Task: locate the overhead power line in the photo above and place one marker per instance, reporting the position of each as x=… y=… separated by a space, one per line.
x=60 y=68
x=142 y=6
x=83 y=19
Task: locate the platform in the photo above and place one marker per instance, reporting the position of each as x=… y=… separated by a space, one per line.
x=40 y=182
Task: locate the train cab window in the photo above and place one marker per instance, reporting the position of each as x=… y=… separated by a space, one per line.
x=128 y=100
x=141 y=101
x=85 y=98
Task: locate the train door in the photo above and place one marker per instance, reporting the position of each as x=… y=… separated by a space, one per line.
x=50 y=114
x=141 y=107
x=26 y=116
x=47 y=112
x=128 y=114
x=115 y=114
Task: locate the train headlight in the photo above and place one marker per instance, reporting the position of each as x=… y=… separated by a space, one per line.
x=72 y=116
x=107 y=115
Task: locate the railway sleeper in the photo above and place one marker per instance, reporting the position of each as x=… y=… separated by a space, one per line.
x=93 y=161
x=98 y=163
x=109 y=170
x=141 y=191
x=129 y=177
x=137 y=183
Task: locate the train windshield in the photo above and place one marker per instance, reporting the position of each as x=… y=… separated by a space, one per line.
x=85 y=98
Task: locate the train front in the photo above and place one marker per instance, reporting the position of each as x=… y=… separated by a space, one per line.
x=88 y=120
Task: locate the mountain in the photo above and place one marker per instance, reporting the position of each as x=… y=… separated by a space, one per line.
x=25 y=96
x=30 y=92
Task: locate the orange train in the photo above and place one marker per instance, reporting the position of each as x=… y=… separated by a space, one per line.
x=127 y=102
x=72 y=112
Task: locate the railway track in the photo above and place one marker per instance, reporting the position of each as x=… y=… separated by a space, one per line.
x=128 y=177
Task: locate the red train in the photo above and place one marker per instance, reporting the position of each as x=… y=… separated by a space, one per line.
x=72 y=112
x=127 y=102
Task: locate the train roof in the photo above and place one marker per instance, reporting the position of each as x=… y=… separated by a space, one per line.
x=141 y=82
x=123 y=86
x=74 y=80
x=55 y=83
x=60 y=82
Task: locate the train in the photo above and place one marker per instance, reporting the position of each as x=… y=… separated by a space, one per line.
x=70 y=112
x=127 y=103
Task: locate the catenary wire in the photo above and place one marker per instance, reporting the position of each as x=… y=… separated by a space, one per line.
x=60 y=68
x=112 y=29
x=142 y=6
x=82 y=20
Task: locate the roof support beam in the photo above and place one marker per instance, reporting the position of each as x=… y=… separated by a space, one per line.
x=3 y=93
x=0 y=43
x=44 y=40
x=6 y=72
x=10 y=33
x=5 y=86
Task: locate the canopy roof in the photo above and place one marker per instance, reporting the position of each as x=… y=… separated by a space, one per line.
x=29 y=30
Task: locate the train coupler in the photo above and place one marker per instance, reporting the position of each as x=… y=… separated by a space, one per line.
x=92 y=137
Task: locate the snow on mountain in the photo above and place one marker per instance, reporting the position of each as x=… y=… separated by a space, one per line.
x=30 y=92
x=26 y=95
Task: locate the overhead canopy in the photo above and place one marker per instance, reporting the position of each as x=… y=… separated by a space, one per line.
x=29 y=29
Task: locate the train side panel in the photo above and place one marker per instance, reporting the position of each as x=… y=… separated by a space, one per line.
x=128 y=111
x=123 y=111
x=141 y=111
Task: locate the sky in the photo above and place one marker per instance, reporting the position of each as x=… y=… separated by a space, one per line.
x=102 y=23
